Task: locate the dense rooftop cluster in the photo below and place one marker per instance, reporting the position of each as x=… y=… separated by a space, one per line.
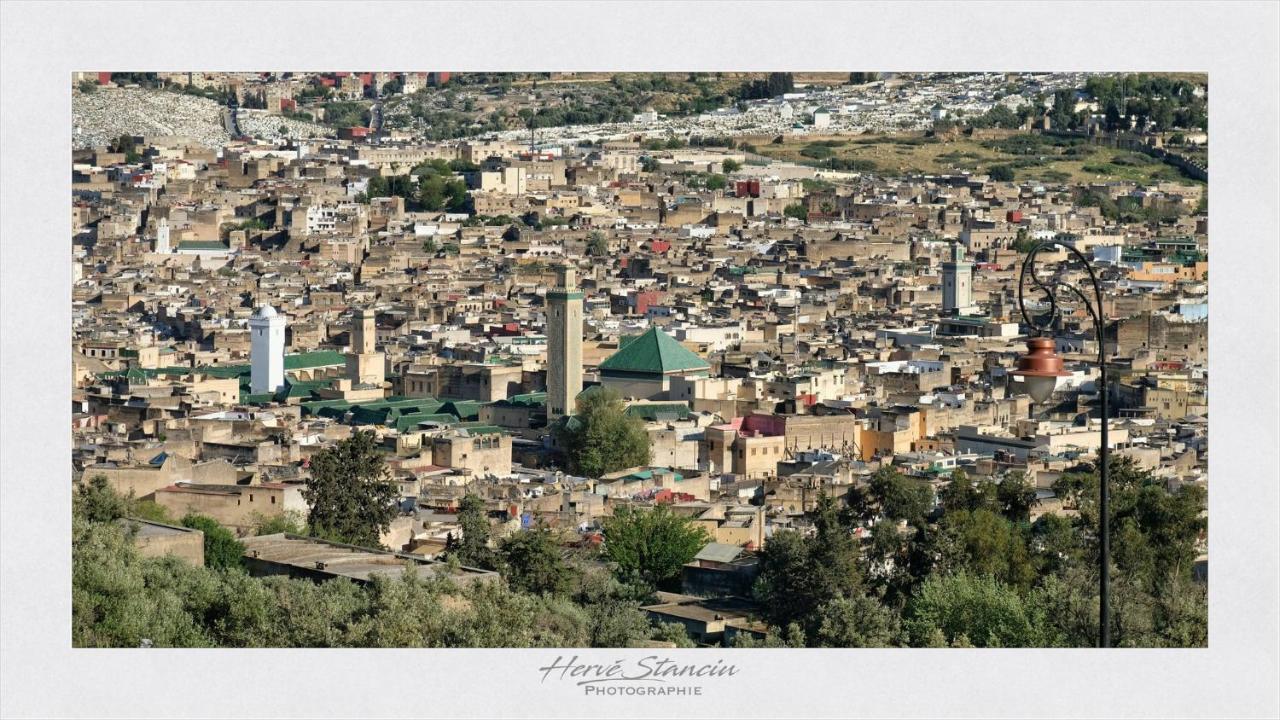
x=783 y=332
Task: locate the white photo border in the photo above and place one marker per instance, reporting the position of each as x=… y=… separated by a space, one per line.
x=43 y=43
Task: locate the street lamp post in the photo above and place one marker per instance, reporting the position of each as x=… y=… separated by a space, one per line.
x=1041 y=367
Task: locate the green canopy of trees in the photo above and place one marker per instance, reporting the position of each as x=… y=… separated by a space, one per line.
x=973 y=571
x=601 y=438
x=121 y=599
x=351 y=495
x=652 y=545
x=473 y=548
x=436 y=188
x=221 y=548
x=533 y=562
x=774 y=84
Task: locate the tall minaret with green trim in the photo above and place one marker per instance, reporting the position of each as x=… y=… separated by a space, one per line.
x=564 y=343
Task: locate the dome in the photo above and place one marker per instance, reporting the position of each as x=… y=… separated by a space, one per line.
x=266 y=311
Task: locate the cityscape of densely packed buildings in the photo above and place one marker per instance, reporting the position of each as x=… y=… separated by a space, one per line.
x=250 y=287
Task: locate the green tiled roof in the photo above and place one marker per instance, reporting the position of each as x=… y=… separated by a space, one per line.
x=536 y=399
x=202 y=245
x=648 y=474
x=412 y=420
x=364 y=415
x=315 y=358
x=653 y=353
x=296 y=361
x=464 y=409
x=316 y=407
x=300 y=389
x=475 y=428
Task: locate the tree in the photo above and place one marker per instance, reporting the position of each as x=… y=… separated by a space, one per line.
x=474 y=548
x=673 y=633
x=855 y=621
x=351 y=495
x=601 y=438
x=1002 y=173
x=126 y=145
x=597 y=244
x=120 y=599
x=774 y=84
x=960 y=493
x=981 y=611
x=221 y=548
x=1154 y=531
x=800 y=574
x=99 y=502
x=651 y=545
x=113 y=604
x=292 y=522
x=898 y=497
x=1023 y=243
x=787 y=588
x=730 y=165
x=984 y=543
x=1015 y=497
x=151 y=510
x=716 y=182
x=532 y=562
x=797 y=211
x=617 y=623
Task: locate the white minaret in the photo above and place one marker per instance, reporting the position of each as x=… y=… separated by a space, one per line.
x=957 y=283
x=564 y=343
x=162 y=236
x=266 y=350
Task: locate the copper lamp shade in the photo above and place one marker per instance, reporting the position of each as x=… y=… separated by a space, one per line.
x=1040 y=368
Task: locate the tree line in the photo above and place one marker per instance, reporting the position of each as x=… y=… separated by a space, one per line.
x=430 y=186
x=889 y=568
x=888 y=564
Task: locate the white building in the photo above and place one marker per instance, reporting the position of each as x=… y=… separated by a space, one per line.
x=162 y=236
x=266 y=350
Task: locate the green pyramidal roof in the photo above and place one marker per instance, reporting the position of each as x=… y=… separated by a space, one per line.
x=654 y=352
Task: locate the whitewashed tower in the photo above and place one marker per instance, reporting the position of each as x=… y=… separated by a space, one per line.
x=266 y=350
x=957 y=283
x=162 y=236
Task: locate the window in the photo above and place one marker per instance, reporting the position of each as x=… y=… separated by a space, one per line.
x=273 y=499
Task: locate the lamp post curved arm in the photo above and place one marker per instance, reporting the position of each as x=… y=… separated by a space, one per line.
x=1042 y=324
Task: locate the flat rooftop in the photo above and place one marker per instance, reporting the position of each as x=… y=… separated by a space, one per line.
x=338 y=560
x=706 y=610
x=147 y=528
